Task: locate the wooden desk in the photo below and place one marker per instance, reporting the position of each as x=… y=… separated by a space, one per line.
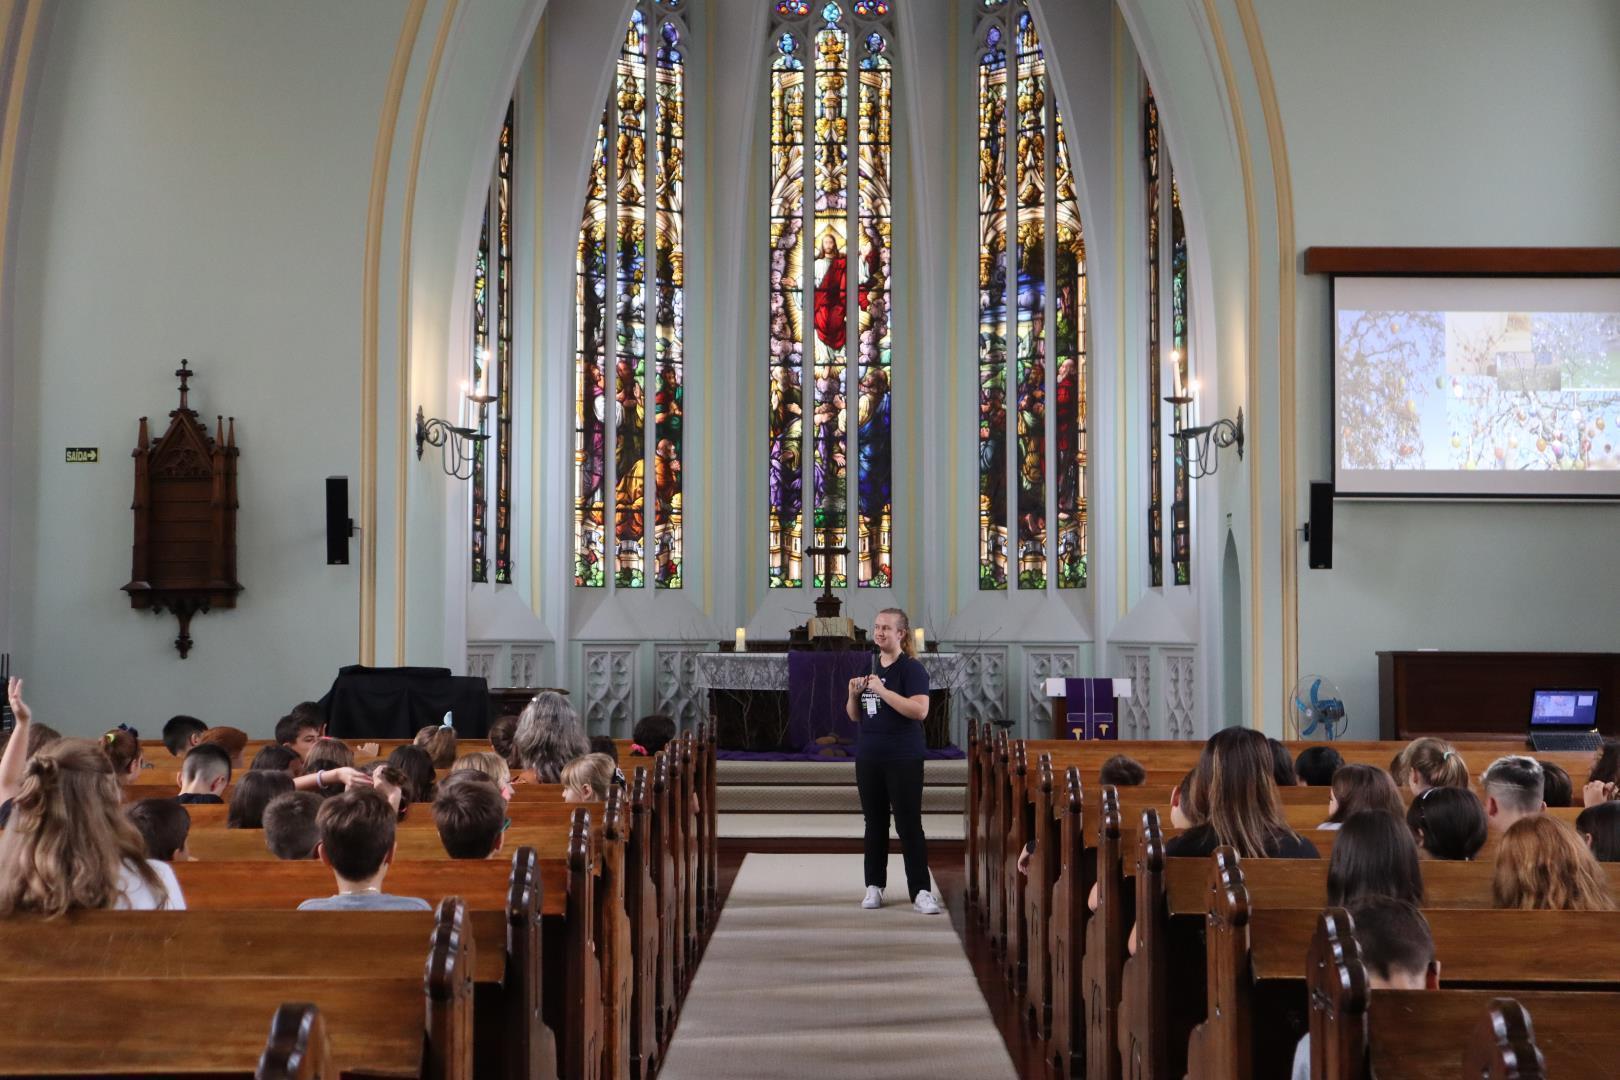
x=1485 y=694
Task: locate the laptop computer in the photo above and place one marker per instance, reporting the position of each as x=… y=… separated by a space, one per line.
x=1564 y=720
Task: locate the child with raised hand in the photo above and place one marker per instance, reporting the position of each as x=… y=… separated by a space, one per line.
x=164 y=825
x=357 y=844
x=69 y=847
x=1447 y=823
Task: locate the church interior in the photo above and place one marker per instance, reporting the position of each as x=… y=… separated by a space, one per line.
x=1015 y=417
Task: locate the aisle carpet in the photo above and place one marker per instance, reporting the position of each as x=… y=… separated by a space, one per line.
x=800 y=981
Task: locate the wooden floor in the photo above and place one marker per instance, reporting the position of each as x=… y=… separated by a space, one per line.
x=945 y=861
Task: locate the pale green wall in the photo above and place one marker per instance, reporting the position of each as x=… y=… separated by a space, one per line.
x=196 y=185
x=1446 y=123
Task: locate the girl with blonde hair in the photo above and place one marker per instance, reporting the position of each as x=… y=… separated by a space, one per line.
x=488 y=764
x=68 y=845
x=1543 y=865
x=1429 y=763
x=587 y=778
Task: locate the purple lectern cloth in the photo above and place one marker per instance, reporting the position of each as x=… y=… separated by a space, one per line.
x=818 y=687
x=1093 y=709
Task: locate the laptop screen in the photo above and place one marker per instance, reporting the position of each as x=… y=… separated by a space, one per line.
x=1564 y=709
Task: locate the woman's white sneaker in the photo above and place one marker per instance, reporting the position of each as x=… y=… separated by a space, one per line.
x=874 y=897
x=925 y=903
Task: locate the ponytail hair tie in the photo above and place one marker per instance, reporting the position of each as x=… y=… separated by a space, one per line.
x=111 y=735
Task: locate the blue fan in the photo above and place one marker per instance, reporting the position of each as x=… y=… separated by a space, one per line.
x=1318 y=705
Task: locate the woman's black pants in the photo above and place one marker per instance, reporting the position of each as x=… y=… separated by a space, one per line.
x=895 y=786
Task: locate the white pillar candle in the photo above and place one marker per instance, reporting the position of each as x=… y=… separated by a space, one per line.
x=742 y=640
x=917 y=638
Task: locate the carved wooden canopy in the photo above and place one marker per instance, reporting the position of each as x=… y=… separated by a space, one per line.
x=185 y=517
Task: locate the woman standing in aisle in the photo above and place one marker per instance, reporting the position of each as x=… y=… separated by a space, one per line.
x=890 y=705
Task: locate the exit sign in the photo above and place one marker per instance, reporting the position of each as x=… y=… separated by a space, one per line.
x=83 y=455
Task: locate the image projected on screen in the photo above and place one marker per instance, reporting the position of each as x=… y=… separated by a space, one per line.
x=1466 y=388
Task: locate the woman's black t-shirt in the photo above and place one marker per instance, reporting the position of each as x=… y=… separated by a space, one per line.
x=888 y=736
x=1201 y=841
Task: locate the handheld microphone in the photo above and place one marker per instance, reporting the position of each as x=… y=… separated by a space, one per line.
x=868 y=698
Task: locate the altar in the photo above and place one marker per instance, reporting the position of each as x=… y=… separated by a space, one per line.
x=748 y=697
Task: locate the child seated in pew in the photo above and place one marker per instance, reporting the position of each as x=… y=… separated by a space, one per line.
x=277 y=758
x=1361 y=787
x=122 y=746
x=232 y=740
x=357 y=844
x=205 y=771
x=1181 y=803
x=181 y=734
x=604 y=744
x=1236 y=803
x=1513 y=790
x=1397 y=953
x=289 y=825
x=1599 y=826
x=488 y=764
x=164 y=825
x=548 y=737
x=439 y=740
x=393 y=785
x=1428 y=763
x=651 y=734
x=587 y=778
x=417 y=766
x=1542 y=864
x=1556 y=788
x=470 y=816
x=299 y=731
x=1374 y=855
x=1316 y=765
x=18 y=746
x=69 y=846
x=253 y=792
x=1447 y=823
x=500 y=737
x=1282 y=766
x=1606 y=763
x=1122 y=770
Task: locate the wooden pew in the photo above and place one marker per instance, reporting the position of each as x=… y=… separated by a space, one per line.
x=1044 y=866
x=1357 y=1033
x=1104 y=957
x=383 y=1023
x=1070 y=914
x=1256 y=977
x=211 y=942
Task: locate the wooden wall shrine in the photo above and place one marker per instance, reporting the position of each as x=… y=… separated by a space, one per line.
x=185 y=517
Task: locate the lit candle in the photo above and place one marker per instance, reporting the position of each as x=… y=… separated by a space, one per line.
x=917 y=638
x=742 y=640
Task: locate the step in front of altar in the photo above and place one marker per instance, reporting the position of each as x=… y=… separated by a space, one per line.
x=944 y=772
x=822 y=799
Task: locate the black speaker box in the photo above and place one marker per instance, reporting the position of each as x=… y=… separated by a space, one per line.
x=339 y=526
x=1320 y=530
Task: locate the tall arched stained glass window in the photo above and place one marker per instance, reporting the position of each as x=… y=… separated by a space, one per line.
x=831 y=103
x=1034 y=400
x=636 y=183
x=1155 y=430
x=1164 y=218
x=492 y=367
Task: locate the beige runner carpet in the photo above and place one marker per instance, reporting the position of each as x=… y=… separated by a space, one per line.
x=800 y=981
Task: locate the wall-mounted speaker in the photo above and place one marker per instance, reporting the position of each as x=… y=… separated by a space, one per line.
x=339 y=525
x=1319 y=530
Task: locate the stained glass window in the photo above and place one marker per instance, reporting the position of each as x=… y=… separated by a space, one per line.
x=838 y=63
x=491 y=381
x=1181 y=490
x=1164 y=216
x=635 y=182
x=1032 y=299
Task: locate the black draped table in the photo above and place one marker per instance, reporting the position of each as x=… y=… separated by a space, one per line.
x=394 y=703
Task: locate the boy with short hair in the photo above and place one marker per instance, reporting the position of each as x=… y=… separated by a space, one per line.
x=165 y=825
x=1317 y=764
x=181 y=734
x=1513 y=790
x=289 y=825
x=357 y=844
x=298 y=732
x=204 y=773
x=1397 y=952
x=470 y=816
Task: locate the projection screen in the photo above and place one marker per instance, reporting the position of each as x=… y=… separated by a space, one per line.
x=1477 y=388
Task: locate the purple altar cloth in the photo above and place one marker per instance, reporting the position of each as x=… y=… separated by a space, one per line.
x=818 y=687
x=943 y=753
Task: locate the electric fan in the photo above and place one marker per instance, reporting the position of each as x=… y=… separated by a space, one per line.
x=1319 y=705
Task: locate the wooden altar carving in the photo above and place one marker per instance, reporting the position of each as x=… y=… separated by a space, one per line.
x=185 y=517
